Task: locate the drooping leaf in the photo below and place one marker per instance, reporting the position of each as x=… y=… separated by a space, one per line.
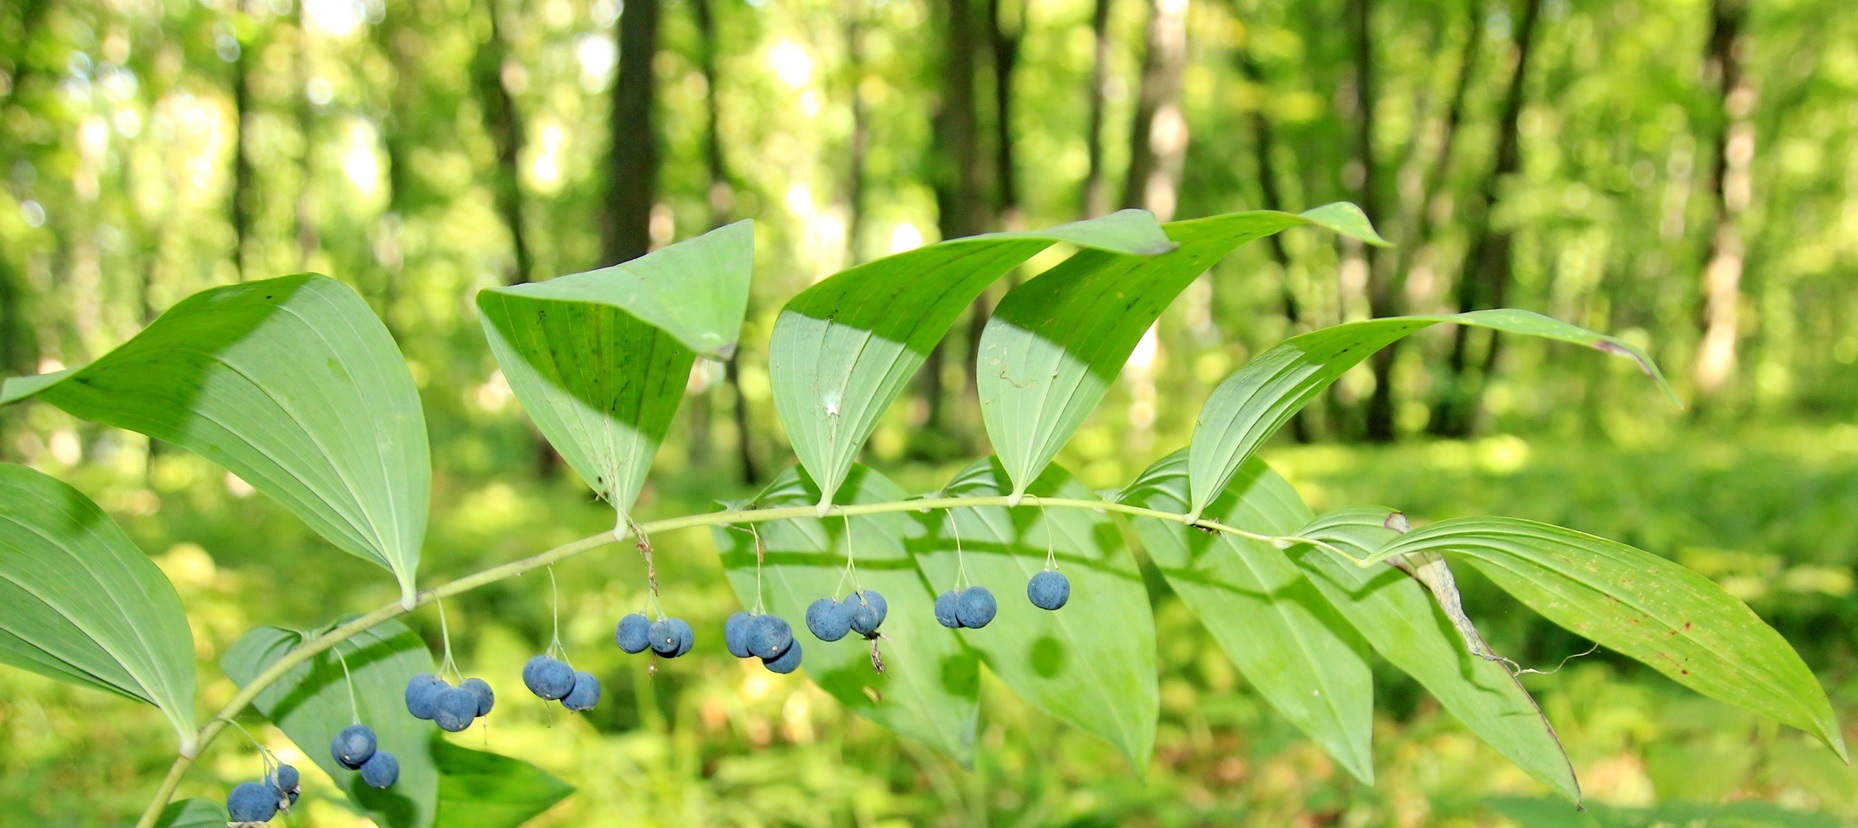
x=1407 y=627
x=1090 y=664
x=192 y=813
x=1253 y=403
x=294 y=385
x=1631 y=601
x=600 y=359
x=842 y=349
x=487 y=790
x=1055 y=343
x=930 y=685
x=80 y=603
x=1296 y=649
x=310 y=703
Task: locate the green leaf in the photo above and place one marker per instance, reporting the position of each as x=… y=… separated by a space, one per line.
x=930 y=687
x=1407 y=627
x=192 y=813
x=486 y=790
x=1090 y=664
x=1055 y=343
x=1628 y=600
x=600 y=359
x=1296 y=649
x=310 y=703
x=80 y=603
x=843 y=349
x=1253 y=403
x=295 y=386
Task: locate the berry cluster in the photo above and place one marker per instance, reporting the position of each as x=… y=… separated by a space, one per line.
x=551 y=679
x=972 y=608
x=357 y=749
x=255 y=803
x=767 y=637
x=667 y=637
x=451 y=708
x=861 y=612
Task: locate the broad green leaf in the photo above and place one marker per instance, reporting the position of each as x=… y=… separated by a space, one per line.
x=486 y=790
x=930 y=685
x=1403 y=623
x=843 y=349
x=1055 y=343
x=1296 y=649
x=1090 y=664
x=192 y=813
x=80 y=603
x=1253 y=403
x=1631 y=601
x=310 y=703
x=294 y=385
x=600 y=359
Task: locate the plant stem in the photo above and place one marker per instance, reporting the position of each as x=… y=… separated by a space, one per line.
x=309 y=649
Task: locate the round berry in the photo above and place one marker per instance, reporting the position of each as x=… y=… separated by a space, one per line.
x=353 y=746
x=769 y=636
x=735 y=634
x=420 y=692
x=382 y=770
x=828 y=620
x=586 y=693
x=454 y=709
x=1049 y=590
x=945 y=609
x=634 y=633
x=976 y=607
x=286 y=778
x=867 y=609
x=486 y=698
x=672 y=637
x=252 y=802
x=548 y=677
x=786 y=662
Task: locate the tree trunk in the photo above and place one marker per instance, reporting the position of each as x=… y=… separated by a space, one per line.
x=1096 y=197
x=861 y=134
x=243 y=199
x=1729 y=186
x=1378 y=421
x=1008 y=18
x=1264 y=145
x=632 y=171
x=504 y=122
x=1483 y=281
x=307 y=242
x=960 y=174
x=1158 y=137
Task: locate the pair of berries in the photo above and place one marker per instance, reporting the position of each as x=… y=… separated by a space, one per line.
x=973 y=608
x=255 y=803
x=861 y=612
x=451 y=708
x=767 y=637
x=551 y=679
x=356 y=748
x=668 y=637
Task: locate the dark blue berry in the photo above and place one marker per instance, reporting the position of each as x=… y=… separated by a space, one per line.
x=1049 y=590
x=672 y=637
x=735 y=634
x=586 y=693
x=829 y=620
x=867 y=609
x=286 y=778
x=252 y=802
x=420 y=692
x=353 y=746
x=786 y=662
x=548 y=677
x=454 y=709
x=945 y=609
x=382 y=770
x=486 y=697
x=976 y=607
x=769 y=636
x=634 y=633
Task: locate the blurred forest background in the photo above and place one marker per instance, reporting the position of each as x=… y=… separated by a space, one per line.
x=1677 y=173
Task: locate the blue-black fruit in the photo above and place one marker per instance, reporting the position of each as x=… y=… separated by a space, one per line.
x=867 y=609
x=946 y=609
x=382 y=770
x=634 y=633
x=735 y=634
x=486 y=697
x=1049 y=590
x=548 y=677
x=454 y=709
x=786 y=662
x=286 y=778
x=252 y=802
x=672 y=637
x=420 y=692
x=769 y=636
x=586 y=693
x=353 y=746
x=976 y=607
x=828 y=620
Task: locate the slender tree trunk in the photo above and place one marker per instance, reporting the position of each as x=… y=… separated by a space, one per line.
x=1008 y=20
x=1378 y=422
x=1483 y=281
x=19 y=343
x=1729 y=186
x=504 y=122
x=960 y=174
x=398 y=142
x=307 y=242
x=1096 y=196
x=632 y=170
x=1264 y=145
x=1158 y=137
x=861 y=133
x=243 y=199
